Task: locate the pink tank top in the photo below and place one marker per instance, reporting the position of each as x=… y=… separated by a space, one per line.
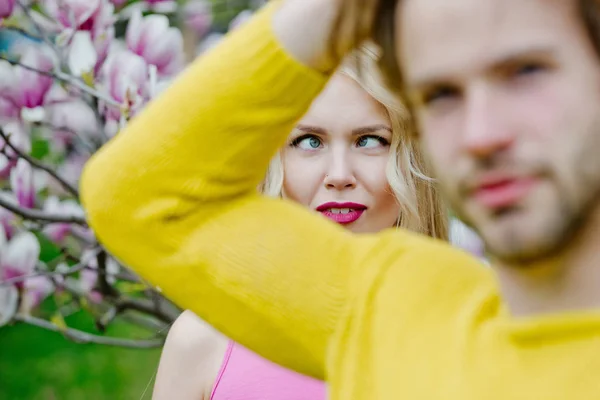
x=245 y=375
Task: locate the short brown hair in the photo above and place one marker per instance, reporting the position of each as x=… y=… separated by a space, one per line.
x=383 y=33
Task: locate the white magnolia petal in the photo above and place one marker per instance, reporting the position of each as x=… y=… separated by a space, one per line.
x=9 y=299
x=82 y=54
x=22 y=252
x=3 y=240
x=36 y=114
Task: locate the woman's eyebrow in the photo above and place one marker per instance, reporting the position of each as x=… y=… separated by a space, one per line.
x=370 y=129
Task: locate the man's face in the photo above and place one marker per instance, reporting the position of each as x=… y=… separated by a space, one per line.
x=506 y=94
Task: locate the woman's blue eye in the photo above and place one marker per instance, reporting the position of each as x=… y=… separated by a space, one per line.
x=369 y=142
x=308 y=142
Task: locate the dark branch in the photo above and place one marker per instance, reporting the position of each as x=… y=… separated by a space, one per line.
x=17 y=279
x=37 y=215
x=68 y=79
x=35 y=163
x=147 y=307
x=105 y=287
x=84 y=337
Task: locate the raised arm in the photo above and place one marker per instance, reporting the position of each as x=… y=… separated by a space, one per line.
x=174 y=195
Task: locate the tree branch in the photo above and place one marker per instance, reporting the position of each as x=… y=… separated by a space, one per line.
x=68 y=79
x=147 y=307
x=37 y=164
x=38 y=28
x=73 y=270
x=105 y=288
x=37 y=215
x=84 y=337
x=87 y=143
x=23 y=32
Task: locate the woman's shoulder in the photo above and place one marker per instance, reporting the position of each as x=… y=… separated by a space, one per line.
x=191 y=331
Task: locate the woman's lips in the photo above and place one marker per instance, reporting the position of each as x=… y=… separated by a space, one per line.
x=342 y=213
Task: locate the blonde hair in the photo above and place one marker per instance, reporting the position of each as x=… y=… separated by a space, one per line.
x=421 y=207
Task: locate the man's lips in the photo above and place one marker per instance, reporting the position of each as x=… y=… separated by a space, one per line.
x=503 y=191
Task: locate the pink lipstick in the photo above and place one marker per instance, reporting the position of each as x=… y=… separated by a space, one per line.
x=342 y=213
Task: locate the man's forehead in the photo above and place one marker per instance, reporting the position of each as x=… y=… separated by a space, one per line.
x=446 y=37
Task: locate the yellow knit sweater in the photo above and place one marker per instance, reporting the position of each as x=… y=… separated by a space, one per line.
x=386 y=316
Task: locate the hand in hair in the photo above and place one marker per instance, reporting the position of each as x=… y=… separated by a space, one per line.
x=319 y=33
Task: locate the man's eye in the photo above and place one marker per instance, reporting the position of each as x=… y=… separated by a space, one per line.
x=442 y=93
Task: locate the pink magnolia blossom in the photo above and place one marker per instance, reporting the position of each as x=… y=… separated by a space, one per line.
x=197 y=16
x=70 y=170
x=18 y=256
x=160 y=45
x=6 y=8
x=75 y=18
x=22 y=184
x=125 y=77
x=87 y=284
x=24 y=88
x=8 y=109
x=9 y=302
x=57 y=232
x=36 y=290
x=70 y=118
x=76 y=14
x=88 y=278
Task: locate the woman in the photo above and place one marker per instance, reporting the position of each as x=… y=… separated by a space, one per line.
x=353 y=147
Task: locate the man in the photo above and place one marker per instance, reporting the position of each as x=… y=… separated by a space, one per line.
x=506 y=97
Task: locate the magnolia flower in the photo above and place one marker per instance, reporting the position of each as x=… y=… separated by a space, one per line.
x=126 y=79
x=75 y=14
x=70 y=118
x=70 y=170
x=88 y=278
x=87 y=284
x=197 y=16
x=25 y=88
x=18 y=256
x=36 y=289
x=67 y=208
x=22 y=184
x=8 y=109
x=6 y=8
x=9 y=301
x=160 y=45
x=89 y=25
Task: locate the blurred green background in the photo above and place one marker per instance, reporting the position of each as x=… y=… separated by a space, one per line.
x=37 y=364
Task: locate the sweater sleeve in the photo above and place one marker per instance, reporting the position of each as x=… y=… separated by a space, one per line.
x=174 y=197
